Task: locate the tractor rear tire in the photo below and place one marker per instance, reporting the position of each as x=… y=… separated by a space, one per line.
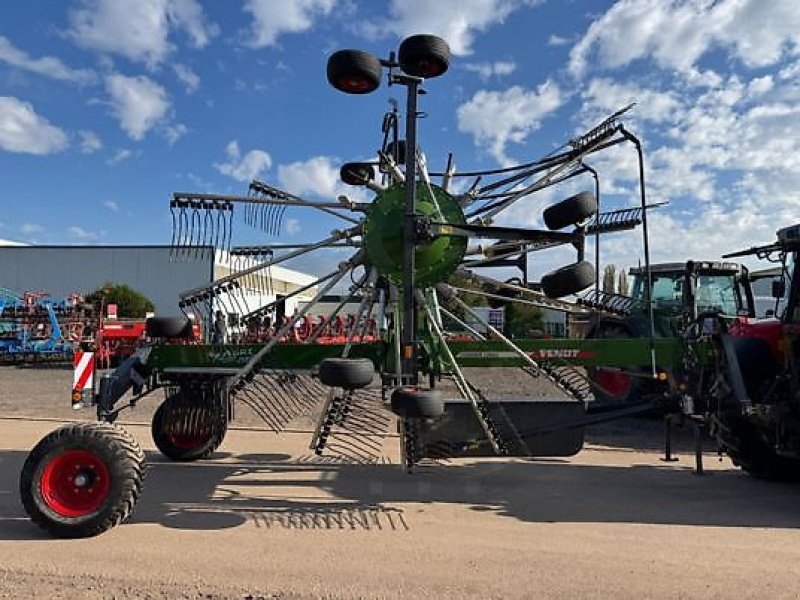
x=347 y=373
x=568 y=212
x=82 y=479
x=355 y=173
x=748 y=450
x=354 y=71
x=185 y=433
x=567 y=280
x=414 y=403
x=424 y=56
x=168 y=327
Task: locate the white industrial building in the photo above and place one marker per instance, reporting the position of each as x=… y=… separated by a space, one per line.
x=155 y=271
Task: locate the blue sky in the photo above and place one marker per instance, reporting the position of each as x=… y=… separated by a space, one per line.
x=107 y=107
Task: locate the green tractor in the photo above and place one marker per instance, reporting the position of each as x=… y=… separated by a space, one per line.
x=678 y=293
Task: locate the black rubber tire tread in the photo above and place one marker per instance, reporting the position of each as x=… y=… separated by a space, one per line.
x=414 y=403
x=568 y=212
x=168 y=327
x=347 y=373
x=567 y=280
x=615 y=330
x=750 y=452
x=354 y=64
x=356 y=173
x=424 y=55
x=177 y=453
x=124 y=459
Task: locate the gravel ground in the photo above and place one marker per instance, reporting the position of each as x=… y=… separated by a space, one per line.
x=264 y=518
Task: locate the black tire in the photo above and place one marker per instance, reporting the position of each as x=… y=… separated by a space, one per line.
x=354 y=71
x=748 y=450
x=567 y=280
x=355 y=173
x=82 y=479
x=414 y=403
x=347 y=373
x=614 y=386
x=424 y=56
x=168 y=327
x=186 y=432
x=568 y=212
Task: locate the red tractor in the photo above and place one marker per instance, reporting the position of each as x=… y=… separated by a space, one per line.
x=749 y=390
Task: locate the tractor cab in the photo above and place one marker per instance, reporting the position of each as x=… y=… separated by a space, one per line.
x=695 y=287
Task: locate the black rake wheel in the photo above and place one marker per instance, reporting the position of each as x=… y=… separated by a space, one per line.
x=168 y=327
x=82 y=479
x=347 y=373
x=568 y=212
x=567 y=280
x=424 y=56
x=356 y=173
x=415 y=403
x=184 y=432
x=354 y=71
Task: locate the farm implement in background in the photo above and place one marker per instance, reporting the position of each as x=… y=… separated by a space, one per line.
x=35 y=327
x=386 y=364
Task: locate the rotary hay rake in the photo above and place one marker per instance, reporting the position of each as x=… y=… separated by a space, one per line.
x=406 y=245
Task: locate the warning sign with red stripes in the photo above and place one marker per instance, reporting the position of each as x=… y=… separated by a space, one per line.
x=83 y=377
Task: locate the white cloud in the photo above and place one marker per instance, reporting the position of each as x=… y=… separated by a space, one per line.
x=557 y=40
x=606 y=96
x=47 y=66
x=293 y=226
x=497 y=118
x=272 y=19
x=111 y=205
x=138 y=102
x=22 y=130
x=31 y=228
x=138 y=30
x=486 y=70
x=120 y=155
x=317 y=177
x=187 y=77
x=173 y=133
x=457 y=21
x=676 y=34
x=81 y=234
x=89 y=141
x=244 y=167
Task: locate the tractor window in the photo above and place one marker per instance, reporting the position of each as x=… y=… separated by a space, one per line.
x=717 y=293
x=667 y=289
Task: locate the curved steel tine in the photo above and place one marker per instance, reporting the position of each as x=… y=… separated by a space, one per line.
x=174 y=225
x=230 y=227
x=184 y=225
x=208 y=233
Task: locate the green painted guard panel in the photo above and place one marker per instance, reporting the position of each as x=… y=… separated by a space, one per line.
x=607 y=352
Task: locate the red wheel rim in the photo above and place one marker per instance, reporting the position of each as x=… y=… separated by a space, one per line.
x=354 y=83
x=615 y=383
x=75 y=483
x=186 y=430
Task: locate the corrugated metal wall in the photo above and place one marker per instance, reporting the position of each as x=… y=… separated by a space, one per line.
x=59 y=270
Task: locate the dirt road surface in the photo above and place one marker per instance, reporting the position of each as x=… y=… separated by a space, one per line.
x=264 y=518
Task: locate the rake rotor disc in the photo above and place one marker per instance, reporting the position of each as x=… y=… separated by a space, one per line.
x=435 y=260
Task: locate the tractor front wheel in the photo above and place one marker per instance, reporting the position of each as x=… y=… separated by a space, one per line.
x=82 y=479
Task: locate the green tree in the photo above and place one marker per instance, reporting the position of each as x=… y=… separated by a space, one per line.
x=622 y=283
x=522 y=320
x=609 y=278
x=130 y=303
